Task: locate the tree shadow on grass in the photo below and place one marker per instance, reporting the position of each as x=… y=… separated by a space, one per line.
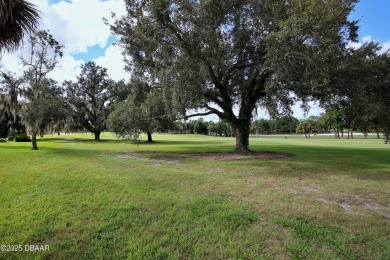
x=16 y=147
x=308 y=161
x=45 y=150
x=80 y=140
x=364 y=163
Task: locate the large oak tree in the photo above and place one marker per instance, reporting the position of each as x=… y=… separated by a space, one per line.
x=228 y=57
x=88 y=98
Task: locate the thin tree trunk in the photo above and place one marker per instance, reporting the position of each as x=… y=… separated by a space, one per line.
x=150 y=140
x=377 y=132
x=351 y=129
x=386 y=132
x=34 y=140
x=97 y=135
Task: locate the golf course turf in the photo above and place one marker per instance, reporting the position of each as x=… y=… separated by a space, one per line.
x=326 y=199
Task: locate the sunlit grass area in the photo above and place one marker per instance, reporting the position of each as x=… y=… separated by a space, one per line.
x=107 y=199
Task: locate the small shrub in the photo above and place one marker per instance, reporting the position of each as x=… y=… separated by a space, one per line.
x=22 y=138
x=2 y=140
x=10 y=138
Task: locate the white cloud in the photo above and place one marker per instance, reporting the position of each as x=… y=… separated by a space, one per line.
x=386 y=47
x=113 y=61
x=11 y=62
x=367 y=39
x=68 y=70
x=314 y=110
x=354 y=45
x=79 y=24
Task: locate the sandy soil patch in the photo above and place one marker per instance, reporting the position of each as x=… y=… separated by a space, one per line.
x=154 y=161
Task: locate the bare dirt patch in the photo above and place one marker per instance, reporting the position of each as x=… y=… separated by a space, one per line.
x=154 y=161
x=357 y=205
x=167 y=160
x=125 y=156
x=353 y=204
x=226 y=156
x=131 y=156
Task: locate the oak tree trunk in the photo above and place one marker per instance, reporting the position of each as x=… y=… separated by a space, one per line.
x=150 y=140
x=242 y=138
x=97 y=135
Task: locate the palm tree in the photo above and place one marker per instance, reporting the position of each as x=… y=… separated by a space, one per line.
x=17 y=17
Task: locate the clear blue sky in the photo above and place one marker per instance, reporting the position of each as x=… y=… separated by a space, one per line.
x=374 y=16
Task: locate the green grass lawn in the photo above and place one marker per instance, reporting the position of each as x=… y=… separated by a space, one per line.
x=115 y=200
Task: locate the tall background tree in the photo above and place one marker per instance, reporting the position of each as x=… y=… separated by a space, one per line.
x=142 y=112
x=307 y=126
x=41 y=92
x=218 y=129
x=41 y=97
x=228 y=57
x=10 y=90
x=381 y=94
x=88 y=98
x=261 y=126
x=17 y=18
x=360 y=90
x=129 y=120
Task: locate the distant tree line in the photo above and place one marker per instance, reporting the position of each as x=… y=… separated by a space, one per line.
x=339 y=124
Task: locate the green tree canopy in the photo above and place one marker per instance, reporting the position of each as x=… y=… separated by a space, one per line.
x=41 y=102
x=88 y=98
x=360 y=89
x=141 y=112
x=227 y=57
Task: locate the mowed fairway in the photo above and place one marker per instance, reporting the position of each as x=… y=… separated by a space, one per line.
x=115 y=200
